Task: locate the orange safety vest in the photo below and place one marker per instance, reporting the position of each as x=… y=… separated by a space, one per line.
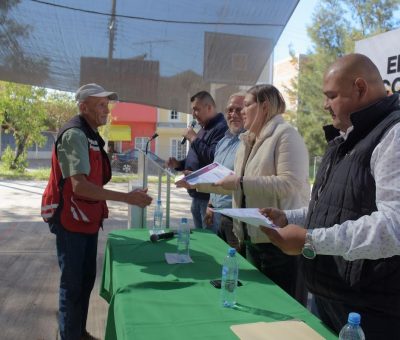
x=59 y=203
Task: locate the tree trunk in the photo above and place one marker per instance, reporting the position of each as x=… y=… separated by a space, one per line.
x=18 y=151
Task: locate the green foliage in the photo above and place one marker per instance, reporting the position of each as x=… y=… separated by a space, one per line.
x=42 y=174
x=373 y=16
x=23 y=115
x=8 y=160
x=336 y=25
x=60 y=107
x=329 y=28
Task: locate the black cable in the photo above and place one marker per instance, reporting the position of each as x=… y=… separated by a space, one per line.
x=158 y=20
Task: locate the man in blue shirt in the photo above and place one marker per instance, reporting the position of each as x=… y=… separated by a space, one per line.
x=225 y=154
x=202 y=148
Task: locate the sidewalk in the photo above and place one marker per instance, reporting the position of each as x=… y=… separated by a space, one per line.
x=29 y=273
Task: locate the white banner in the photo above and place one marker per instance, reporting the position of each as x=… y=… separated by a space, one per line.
x=384 y=50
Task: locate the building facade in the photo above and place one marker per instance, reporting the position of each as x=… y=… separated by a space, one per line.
x=170 y=125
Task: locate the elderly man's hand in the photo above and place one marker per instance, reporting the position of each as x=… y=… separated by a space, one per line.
x=289 y=239
x=277 y=216
x=139 y=197
x=183 y=184
x=230 y=182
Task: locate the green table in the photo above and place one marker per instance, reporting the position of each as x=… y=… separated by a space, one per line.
x=150 y=299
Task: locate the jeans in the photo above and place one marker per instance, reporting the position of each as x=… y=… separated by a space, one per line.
x=216 y=222
x=76 y=254
x=198 y=209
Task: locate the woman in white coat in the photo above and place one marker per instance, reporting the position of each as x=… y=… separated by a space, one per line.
x=271 y=169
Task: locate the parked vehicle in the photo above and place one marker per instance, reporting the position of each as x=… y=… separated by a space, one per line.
x=127 y=161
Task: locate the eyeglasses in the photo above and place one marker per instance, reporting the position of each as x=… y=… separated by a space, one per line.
x=232 y=110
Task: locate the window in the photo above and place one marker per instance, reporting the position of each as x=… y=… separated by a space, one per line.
x=174 y=115
x=140 y=143
x=177 y=149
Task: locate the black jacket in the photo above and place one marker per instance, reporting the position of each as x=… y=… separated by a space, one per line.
x=201 y=152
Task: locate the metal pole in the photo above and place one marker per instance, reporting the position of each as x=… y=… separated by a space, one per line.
x=159 y=183
x=168 y=205
x=144 y=215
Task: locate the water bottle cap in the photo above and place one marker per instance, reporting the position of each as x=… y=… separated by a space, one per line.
x=183 y=220
x=158 y=201
x=354 y=318
x=232 y=252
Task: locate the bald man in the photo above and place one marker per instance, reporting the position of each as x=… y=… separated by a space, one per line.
x=350 y=233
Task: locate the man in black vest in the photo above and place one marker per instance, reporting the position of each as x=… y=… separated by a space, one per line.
x=350 y=233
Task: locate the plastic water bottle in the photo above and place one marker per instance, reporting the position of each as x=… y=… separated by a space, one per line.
x=230 y=273
x=183 y=240
x=157 y=218
x=352 y=330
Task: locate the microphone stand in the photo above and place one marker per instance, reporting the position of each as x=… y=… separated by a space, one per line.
x=146 y=152
x=149 y=140
x=147 y=146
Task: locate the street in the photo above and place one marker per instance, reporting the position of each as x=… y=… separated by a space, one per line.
x=29 y=272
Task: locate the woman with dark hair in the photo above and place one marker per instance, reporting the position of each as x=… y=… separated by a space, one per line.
x=271 y=169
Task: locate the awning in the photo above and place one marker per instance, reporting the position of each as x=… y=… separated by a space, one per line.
x=156 y=53
x=116 y=133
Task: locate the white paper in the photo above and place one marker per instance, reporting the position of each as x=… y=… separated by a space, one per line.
x=173 y=258
x=161 y=231
x=250 y=216
x=207 y=175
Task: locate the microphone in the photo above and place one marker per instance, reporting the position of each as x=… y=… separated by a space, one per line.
x=150 y=139
x=192 y=125
x=153 y=137
x=164 y=236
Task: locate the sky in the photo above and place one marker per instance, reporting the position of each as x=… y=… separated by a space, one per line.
x=295 y=32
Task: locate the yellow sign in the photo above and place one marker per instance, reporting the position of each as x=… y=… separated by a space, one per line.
x=117 y=133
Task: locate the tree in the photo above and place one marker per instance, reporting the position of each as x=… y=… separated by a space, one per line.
x=333 y=34
x=60 y=107
x=15 y=63
x=23 y=115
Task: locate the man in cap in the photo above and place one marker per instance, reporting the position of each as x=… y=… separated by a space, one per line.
x=74 y=205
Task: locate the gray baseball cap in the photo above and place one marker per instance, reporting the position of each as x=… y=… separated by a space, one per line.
x=93 y=90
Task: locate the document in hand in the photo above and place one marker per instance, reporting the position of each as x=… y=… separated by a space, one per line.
x=250 y=216
x=207 y=175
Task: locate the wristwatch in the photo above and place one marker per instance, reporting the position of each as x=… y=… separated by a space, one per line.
x=308 y=250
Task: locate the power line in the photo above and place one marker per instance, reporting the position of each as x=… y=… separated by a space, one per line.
x=158 y=20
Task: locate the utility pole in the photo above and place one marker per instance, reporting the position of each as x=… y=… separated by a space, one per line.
x=111 y=29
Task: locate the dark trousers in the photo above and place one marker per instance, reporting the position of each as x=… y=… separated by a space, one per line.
x=273 y=263
x=225 y=232
x=77 y=260
x=376 y=325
